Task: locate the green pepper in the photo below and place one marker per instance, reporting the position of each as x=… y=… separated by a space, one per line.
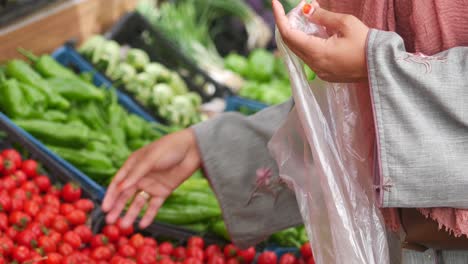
x=48 y=66
x=54 y=115
x=151 y=127
x=87 y=77
x=98 y=146
x=134 y=127
x=219 y=228
x=119 y=154
x=91 y=114
x=197 y=184
x=83 y=158
x=76 y=89
x=136 y=144
x=13 y=101
x=117 y=132
x=102 y=176
x=197 y=227
x=303 y=238
x=197 y=175
x=236 y=63
x=36 y=99
x=188 y=214
x=151 y=131
x=192 y=198
x=58 y=133
x=23 y=72
x=287 y=238
x=261 y=65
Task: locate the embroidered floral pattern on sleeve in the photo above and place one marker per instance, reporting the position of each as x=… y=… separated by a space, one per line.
x=422 y=59
x=265 y=183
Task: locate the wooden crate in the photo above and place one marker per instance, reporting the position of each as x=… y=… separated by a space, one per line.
x=52 y=26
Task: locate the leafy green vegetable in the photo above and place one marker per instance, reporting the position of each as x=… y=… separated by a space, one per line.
x=261 y=65
x=237 y=63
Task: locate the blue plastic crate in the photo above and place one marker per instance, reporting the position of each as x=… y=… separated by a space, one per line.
x=236 y=104
x=68 y=56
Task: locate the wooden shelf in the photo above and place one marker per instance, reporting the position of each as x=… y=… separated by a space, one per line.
x=52 y=26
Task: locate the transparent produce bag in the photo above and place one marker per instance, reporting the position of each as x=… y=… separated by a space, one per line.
x=325 y=151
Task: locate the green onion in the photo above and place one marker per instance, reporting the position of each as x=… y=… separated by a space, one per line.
x=187 y=24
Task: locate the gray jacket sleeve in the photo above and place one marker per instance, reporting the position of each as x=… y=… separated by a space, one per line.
x=233 y=147
x=421 y=111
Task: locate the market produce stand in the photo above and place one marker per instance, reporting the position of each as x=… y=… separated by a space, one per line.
x=50 y=27
x=84 y=89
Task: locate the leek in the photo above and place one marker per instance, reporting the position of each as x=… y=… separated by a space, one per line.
x=187 y=24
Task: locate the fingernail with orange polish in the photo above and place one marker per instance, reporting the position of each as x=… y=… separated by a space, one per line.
x=306 y=9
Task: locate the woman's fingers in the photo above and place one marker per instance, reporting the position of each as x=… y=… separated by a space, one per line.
x=119 y=204
x=151 y=211
x=113 y=189
x=145 y=165
x=333 y=22
x=296 y=39
x=132 y=213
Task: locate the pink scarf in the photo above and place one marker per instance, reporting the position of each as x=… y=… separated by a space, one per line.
x=427 y=26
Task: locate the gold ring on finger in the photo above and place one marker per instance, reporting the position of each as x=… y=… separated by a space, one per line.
x=144 y=195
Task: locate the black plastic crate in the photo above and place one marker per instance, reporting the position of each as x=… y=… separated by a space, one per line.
x=11 y=10
x=11 y=138
x=135 y=31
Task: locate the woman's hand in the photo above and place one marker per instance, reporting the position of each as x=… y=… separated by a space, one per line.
x=341 y=57
x=156 y=169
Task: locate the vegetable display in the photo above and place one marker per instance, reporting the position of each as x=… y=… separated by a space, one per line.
x=97 y=135
x=83 y=124
x=266 y=75
x=152 y=85
x=187 y=24
x=41 y=222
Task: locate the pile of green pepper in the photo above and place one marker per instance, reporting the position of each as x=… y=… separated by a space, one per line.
x=194 y=206
x=83 y=124
x=266 y=75
x=152 y=84
x=291 y=237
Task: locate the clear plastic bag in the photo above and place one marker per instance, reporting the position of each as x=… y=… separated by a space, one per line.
x=325 y=151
